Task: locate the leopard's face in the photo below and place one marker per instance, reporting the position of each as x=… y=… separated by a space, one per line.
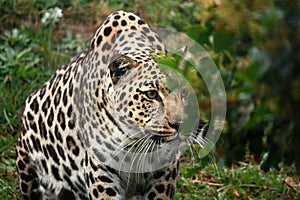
x=148 y=101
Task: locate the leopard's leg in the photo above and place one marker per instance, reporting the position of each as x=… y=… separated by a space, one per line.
x=27 y=173
x=164 y=183
x=103 y=182
x=36 y=186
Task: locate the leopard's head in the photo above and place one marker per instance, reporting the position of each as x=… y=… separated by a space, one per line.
x=149 y=100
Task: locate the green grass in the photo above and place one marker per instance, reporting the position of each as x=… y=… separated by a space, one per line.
x=30 y=52
x=243 y=181
x=8 y=174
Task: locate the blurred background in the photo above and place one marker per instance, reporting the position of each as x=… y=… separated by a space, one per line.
x=254 y=43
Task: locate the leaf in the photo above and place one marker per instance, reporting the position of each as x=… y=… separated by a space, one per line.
x=23 y=54
x=27 y=72
x=198 y=33
x=223 y=40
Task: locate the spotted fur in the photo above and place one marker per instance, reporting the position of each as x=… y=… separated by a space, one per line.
x=89 y=106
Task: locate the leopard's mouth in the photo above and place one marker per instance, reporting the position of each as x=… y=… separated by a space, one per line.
x=159 y=137
x=164 y=136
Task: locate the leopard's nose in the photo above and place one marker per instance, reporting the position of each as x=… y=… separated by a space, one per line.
x=174 y=125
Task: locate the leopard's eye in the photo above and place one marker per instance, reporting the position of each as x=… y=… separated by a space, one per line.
x=152 y=94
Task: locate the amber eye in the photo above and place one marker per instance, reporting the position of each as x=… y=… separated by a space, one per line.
x=152 y=94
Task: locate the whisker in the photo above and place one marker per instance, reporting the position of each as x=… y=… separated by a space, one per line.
x=136 y=155
x=200 y=141
x=190 y=143
x=123 y=142
x=136 y=151
x=143 y=146
x=151 y=145
x=122 y=147
x=127 y=152
x=157 y=152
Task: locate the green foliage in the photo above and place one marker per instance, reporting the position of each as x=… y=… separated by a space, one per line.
x=27 y=56
x=256 y=51
x=168 y=14
x=17 y=57
x=17 y=63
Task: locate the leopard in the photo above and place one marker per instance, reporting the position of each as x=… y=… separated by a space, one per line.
x=84 y=129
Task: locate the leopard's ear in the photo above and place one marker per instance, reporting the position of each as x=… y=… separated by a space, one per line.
x=119 y=66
